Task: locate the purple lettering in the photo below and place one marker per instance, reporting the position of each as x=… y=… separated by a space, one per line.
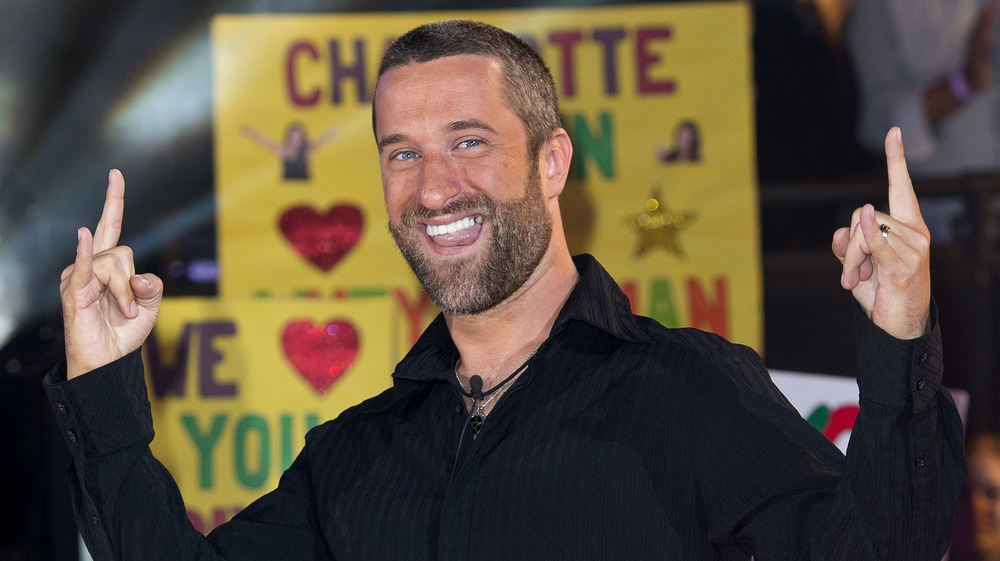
x=209 y=356
x=168 y=378
x=609 y=38
x=566 y=40
x=299 y=98
x=196 y=520
x=646 y=59
x=339 y=71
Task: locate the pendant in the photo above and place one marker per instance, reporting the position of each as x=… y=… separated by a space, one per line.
x=476 y=422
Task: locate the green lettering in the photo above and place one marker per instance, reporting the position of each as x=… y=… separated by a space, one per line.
x=286 y=441
x=245 y=474
x=587 y=146
x=205 y=444
x=661 y=303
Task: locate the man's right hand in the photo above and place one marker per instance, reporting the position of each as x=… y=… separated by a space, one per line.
x=108 y=310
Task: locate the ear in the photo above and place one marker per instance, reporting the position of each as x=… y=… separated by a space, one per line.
x=556 y=156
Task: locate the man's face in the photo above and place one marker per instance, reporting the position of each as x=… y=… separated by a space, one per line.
x=984 y=484
x=464 y=198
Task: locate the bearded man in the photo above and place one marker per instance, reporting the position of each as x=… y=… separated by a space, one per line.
x=536 y=417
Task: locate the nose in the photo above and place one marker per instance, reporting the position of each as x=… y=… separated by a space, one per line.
x=439 y=183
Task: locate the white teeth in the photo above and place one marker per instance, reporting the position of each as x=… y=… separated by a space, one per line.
x=455 y=226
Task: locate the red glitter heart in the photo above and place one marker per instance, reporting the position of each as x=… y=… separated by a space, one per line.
x=323 y=239
x=322 y=353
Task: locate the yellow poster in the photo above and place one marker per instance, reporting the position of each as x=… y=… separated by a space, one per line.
x=657 y=99
x=236 y=383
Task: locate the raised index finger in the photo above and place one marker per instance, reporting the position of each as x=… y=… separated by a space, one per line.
x=110 y=227
x=902 y=200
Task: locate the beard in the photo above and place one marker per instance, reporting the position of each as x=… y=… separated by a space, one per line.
x=519 y=236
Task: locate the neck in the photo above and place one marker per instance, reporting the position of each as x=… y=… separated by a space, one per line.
x=494 y=343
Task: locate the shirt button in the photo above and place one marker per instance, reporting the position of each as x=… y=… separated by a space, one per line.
x=921 y=383
x=61 y=407
x=458 y=409
x=923 y=357
x=71 y=435
x=95 y=520
x=920 y=462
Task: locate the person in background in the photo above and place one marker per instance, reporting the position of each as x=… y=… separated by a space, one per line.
x=687 y=144
x=977 y=524
x=929 y=66
x=296 y=149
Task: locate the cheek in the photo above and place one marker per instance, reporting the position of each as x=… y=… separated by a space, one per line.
x=981 y=506
x=503 y=180
x=396 y=195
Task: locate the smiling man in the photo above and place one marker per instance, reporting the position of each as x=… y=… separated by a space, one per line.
x=536 y=417
x=473 y=205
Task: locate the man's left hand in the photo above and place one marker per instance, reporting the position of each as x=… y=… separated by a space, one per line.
x=886 y=258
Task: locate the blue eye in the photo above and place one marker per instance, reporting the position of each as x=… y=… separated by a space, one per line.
x=404 y=155
x=470 y=143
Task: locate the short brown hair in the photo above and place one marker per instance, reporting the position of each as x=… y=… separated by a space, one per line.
x=528 y=88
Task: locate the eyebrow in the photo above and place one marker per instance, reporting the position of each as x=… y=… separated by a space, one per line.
x=390 y=139
x=462 y=125
x=470 y=124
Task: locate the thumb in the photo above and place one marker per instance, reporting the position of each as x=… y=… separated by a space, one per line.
x=148 y=290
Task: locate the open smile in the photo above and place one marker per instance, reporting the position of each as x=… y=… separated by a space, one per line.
x=461 y=232
x=454 y=227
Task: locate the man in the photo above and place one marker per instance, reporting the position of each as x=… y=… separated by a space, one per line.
x=977 y=522
x=536 y=418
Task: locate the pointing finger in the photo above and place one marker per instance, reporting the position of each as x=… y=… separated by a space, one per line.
x=110 y=227
x=902 y=200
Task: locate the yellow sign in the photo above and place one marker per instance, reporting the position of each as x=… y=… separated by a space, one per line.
x=316 y=305
x=657 y=99
x=236 y=383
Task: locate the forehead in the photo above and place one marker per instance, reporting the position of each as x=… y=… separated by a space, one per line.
x=443 y=70
x=460 y=83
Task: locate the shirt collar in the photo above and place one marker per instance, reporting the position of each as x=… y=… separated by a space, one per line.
x=596 y=300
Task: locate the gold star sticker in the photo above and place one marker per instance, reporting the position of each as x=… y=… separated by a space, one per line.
x=658 y=226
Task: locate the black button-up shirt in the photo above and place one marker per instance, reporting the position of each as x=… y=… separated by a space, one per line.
x=622 y=440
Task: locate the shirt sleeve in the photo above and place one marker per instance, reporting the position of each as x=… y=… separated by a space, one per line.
x=895 y=496
x=127 y=505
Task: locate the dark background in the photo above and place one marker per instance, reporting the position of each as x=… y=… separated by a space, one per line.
x=86 y=86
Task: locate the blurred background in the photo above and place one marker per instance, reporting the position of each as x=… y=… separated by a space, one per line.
x=87 y=86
